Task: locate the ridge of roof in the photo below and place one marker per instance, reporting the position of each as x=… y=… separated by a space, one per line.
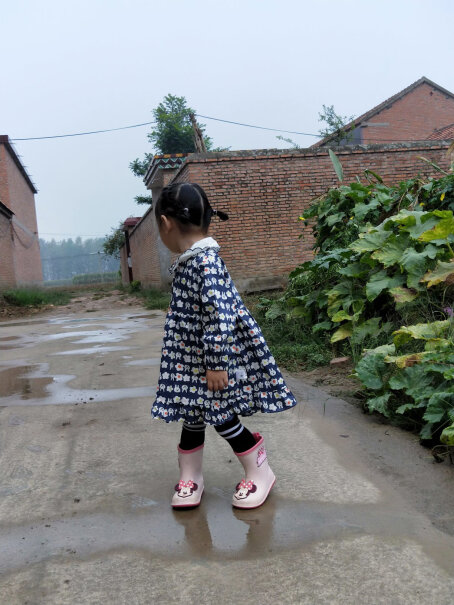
x=164 y=161
x=4 y=139
x=384 y=104
x=6 y=211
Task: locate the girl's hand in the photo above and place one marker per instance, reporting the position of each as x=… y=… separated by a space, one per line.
x=217 y=380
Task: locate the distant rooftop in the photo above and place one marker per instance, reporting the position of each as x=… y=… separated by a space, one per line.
x=443 y=134
x=168 y=160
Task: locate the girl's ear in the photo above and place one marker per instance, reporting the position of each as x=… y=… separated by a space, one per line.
x=166 y=223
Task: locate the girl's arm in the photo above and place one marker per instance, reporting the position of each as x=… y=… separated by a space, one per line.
x=218 y=320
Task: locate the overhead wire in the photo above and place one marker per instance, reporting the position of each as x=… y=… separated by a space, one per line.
x=81 y=134
x=244 y=124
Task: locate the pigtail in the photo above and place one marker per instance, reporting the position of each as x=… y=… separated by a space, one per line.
x=223 y=216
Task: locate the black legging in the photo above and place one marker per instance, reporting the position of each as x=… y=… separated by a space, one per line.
x=235 y=433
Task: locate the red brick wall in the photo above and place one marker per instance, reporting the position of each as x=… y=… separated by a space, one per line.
x=7 y=276
x=17 y=195
x=413 y=117
x=264 y=193
x=144 y=252
x=124 y=266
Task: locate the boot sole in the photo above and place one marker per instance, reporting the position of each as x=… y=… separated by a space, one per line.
x=256 y=505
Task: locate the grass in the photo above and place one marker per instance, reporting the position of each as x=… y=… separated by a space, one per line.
x=152 y=298
x=36 y=297
x=292 y=344
x=155 y=299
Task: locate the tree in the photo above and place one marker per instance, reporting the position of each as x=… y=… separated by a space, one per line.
x=113 y=242
x=173 y=133
x=291 y=142
x=335 y=124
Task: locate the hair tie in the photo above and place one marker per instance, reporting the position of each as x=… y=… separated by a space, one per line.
x=186 y=212
x=215 y=212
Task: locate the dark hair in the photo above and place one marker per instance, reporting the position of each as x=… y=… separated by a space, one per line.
x=188 y=204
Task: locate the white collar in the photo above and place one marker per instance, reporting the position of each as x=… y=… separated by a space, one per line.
x=202 y=244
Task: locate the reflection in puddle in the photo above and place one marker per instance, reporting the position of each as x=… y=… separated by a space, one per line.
x=35 y=387
x=92 y=350
x=19 y=381
x=213 y=531
x=9 y=324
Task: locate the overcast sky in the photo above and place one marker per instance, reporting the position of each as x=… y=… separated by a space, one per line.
x=88 y=65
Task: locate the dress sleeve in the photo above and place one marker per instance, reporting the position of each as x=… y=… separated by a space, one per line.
x=218 y=318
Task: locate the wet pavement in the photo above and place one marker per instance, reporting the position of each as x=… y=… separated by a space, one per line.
x=86 y=478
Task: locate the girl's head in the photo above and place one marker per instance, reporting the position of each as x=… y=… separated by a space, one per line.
x=188 y=205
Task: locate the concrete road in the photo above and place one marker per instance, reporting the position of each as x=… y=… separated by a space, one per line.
x=86 y=480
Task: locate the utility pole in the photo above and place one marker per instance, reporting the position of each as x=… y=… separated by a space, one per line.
x=198 y=136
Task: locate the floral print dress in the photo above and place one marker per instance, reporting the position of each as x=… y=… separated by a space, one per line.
x=209 y=327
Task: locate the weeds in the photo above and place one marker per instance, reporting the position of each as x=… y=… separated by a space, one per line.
x=36 y=297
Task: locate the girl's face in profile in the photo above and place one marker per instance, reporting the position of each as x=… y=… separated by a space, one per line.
x=168 y=231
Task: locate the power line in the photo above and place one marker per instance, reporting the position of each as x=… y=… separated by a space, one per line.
x=81 y=134
x=307 y=134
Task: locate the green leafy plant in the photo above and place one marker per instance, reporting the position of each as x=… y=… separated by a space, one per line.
x=379 y=287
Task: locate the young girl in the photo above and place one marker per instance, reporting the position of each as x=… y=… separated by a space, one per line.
x=215 y=364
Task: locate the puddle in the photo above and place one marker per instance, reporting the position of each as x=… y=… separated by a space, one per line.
x=92 y=350
x=149 y=316
x=31 y=386
x=213 y=531
x=21 y=381
x=10 y=324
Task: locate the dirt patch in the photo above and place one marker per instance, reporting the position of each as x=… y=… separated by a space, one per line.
x=82 y=301
x=89 y=302
x=335 y=380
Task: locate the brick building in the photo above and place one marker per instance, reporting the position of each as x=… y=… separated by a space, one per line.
x=265 y=191
x=20 y=259
x=413 y=114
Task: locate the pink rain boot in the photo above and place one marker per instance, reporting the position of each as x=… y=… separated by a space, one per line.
x=252 y=491
x=189 y=490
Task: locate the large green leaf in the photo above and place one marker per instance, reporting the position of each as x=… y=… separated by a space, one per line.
x=337 y=165
x=403 y=295
x=361 y=209
x=370 y=241
x=322 y=326
x=442 y=230
x=414 y=381
x=442 y=272
x=381 y=281
x=365 y=329
x=334 y=219
x=416 y=263
x=383 y=350
x=404 y=361
x=447 y=436
x=355 y=270
x=427 y=331
x=438 y=406
x=371 y=371
x=379 y=404
x=343 y=332
x=341 y=316
x=392 y=251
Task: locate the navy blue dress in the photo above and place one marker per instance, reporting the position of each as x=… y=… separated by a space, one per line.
x=209 y=327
